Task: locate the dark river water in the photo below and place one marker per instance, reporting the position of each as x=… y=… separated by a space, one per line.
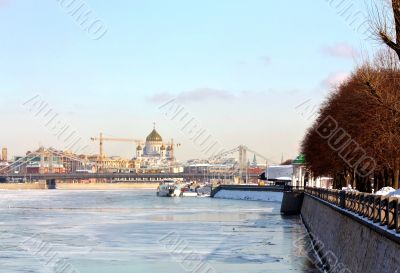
x=135 y=231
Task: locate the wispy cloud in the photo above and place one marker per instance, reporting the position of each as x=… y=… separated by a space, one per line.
x=340 y=50
x=266 y=60
x=160 y=97
x=3 y=3
x=200 y=94
x=335 y=79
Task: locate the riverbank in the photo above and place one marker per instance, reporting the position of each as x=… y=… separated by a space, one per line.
x=78 y=186
x=106 y=186
x=348 y=243
x=23 y=186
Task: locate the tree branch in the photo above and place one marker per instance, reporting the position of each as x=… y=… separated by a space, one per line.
x=378 y=98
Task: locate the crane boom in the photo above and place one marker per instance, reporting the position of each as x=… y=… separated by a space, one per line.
x=116 y=139
x=101 y=140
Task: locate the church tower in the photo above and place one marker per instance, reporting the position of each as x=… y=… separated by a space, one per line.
x=139 y=152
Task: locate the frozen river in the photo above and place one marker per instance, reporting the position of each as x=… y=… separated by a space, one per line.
x=135 y=231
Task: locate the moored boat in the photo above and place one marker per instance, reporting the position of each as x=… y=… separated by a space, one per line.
x=186 y=192
x=168 y=188
x=189 y=194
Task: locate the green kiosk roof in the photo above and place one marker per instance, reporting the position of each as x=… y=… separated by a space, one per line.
x=300 y=160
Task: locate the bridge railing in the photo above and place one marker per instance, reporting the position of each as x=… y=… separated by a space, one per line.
x=380 y=210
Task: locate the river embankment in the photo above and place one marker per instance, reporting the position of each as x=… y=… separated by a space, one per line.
x=346 y=243
x=78 y=186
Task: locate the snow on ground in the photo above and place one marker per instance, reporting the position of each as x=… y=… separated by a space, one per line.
x=348 y=188
x=385 y=191
x=394 y=193
x=267 y=196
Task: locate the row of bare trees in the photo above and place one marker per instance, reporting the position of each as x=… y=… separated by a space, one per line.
x=356 y=137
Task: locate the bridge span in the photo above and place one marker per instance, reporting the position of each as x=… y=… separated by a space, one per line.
x=122 y=176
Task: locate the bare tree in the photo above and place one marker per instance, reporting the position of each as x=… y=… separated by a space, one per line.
x=287 y=162
x=367 y=107
x=386 y=23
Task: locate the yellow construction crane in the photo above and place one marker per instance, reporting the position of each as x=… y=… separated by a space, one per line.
x=101 y=140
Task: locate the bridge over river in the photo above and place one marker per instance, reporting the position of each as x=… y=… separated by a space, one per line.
x=121 y=176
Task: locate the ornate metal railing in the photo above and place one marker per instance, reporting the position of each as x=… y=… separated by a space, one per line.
x=382 y=210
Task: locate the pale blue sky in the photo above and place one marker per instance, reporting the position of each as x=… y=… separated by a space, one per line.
x=241 y=67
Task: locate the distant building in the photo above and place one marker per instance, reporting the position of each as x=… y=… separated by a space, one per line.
x=41 y=161
x=112 y=164
x=295 y=174
x=4 y=156
x=4 y=167
x=254 y=163
x=155 y=152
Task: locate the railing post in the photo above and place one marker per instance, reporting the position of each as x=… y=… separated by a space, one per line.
x=396 y=216
x=342 y=196
x=376 y=207
x=362 y=204
x=383 y=211
x=357 y=202
x=337 y=197
x=391 y=213
x=371 y=207
x=367 y=205
x=348 y=200
x=351 y=199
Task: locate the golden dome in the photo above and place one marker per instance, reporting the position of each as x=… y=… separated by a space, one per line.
x=154 y=136
x=163 y=147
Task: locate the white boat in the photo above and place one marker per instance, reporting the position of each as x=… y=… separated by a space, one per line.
x=172 y=188
x=169 y=188
x=189 y=194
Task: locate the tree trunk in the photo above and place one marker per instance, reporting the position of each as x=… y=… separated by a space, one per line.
x=347 y=179
x=386 y=178
x=396 y=14
x=377 y=181
x=354 y=179
x=396 y=172
x=391 y=178
x=341 y=181
x=384 y=33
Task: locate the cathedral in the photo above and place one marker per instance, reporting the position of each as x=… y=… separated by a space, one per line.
x=155 y=152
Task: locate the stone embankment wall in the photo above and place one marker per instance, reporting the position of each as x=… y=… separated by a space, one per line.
x=347 y=244
x=23 y=186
